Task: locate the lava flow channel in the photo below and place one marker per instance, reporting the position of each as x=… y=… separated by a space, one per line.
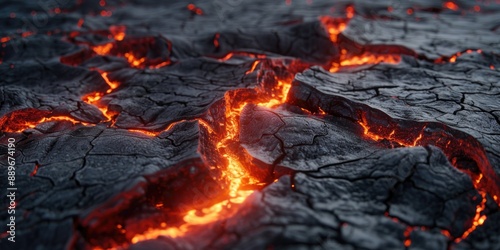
x=353 y=54
x=139 y=52
x=236 y=172
x=94 y=98
x=233 y=176
x=20 y=120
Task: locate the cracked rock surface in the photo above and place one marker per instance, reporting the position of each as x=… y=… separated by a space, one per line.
x=347 y=125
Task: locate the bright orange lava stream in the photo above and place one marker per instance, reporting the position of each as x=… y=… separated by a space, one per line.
x=118 y=32
x=234 y=173
x=95 y=97
x=20 y=120
x=103 y=49
x=378 y=137
x=133 y=60
x=478 y=218
x=334 y=27
x=366 y=58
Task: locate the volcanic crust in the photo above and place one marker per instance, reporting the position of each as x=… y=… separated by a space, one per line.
x=251 y=124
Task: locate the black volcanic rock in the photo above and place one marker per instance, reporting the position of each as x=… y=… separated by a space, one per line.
x=120 y=133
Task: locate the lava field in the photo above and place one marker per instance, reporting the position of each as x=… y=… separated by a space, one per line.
x=233 y=124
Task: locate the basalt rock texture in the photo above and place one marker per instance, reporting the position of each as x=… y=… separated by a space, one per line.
x=232 y=124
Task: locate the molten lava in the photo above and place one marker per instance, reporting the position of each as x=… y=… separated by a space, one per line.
x=334 y=27
x=478 y=219
x=135 y=50
x=118 y=32
x=234 y=173
x=103 y=49
x=93 y=98
x=450 y=5
x=20 y=120
x=397 y=137
x=195 y=10
x=364 y=59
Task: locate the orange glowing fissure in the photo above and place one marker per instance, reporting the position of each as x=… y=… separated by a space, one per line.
x=233 y=173
x=196 y=10
x=450 y=5
x=364 y=59
x=28 y=123
x=334 y=27
x=118 y=32
x=133 y=60
x=93 y=99
x=478 y=219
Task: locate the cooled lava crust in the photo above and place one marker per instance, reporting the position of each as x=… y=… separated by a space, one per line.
x=232 y=124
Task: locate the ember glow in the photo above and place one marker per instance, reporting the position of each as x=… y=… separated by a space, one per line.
x=393 y=135
x=118 y=32
x=153 y=209
x=103 y=49
x=334 y=27
x=134 y=50
x=478 y=219
x=453 y=58
x=94 y=98
x=451 y=5
x=20 y=120
x=195 y=10
x=234 y=173
x=364 y=59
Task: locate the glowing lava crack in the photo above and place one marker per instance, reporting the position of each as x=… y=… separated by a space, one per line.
x=294 y=142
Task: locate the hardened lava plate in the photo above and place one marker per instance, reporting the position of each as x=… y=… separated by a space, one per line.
x=232 y=124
